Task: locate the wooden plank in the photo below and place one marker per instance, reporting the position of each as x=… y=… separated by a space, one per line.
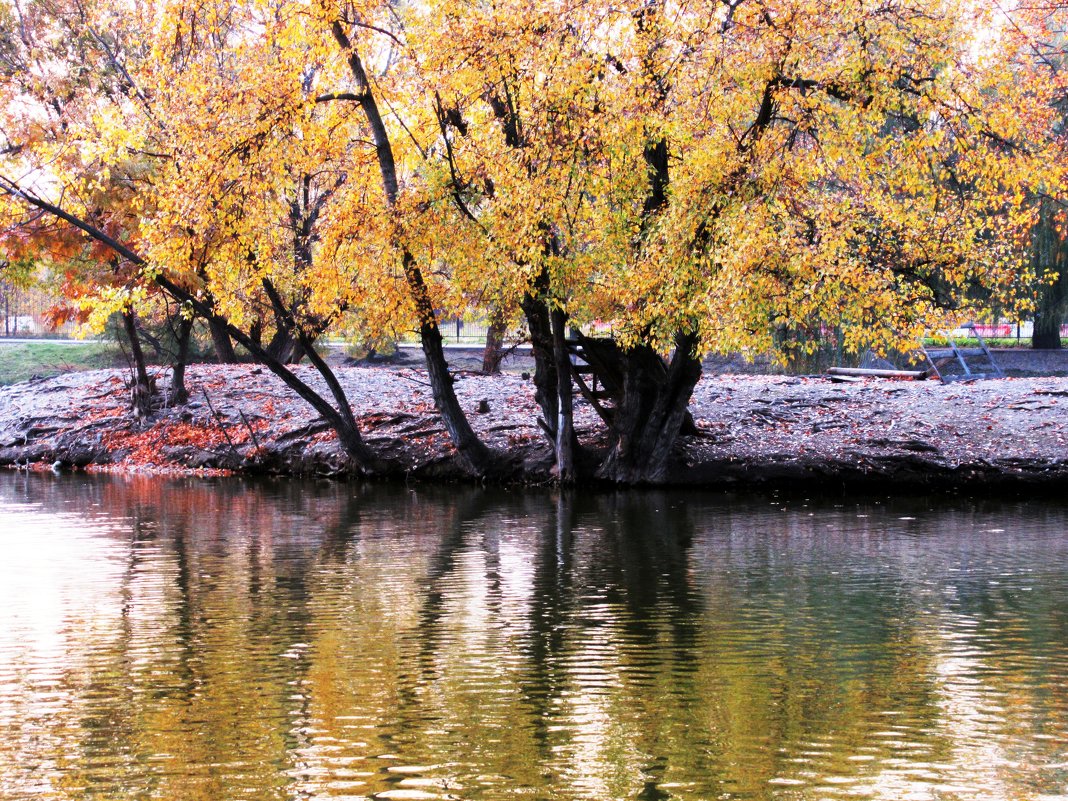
x=863 y=372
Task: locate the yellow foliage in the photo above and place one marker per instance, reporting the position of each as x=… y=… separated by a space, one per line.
x=867 y=165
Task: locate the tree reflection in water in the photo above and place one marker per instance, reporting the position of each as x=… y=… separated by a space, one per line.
x=190 y=639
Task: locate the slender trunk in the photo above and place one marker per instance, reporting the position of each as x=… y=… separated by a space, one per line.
x=341 y=420
x=220 y=338
x=494 y=351
x=565 y=422
x=650 y=413
x=350 y=431
x=533 y=302
x=182 y=335
x=158 y=348
x=475 y=456
x=143 y=385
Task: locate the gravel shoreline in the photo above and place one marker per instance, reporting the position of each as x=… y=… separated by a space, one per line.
x=767 y=431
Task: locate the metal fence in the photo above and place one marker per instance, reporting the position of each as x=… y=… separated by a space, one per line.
x=24 y=313
x=461 y=332
x=1018 y=330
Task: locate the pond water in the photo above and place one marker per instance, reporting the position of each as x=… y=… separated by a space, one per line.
x=184 y=639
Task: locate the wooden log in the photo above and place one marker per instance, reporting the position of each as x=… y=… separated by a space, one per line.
x=950 y=353
x=864 y=372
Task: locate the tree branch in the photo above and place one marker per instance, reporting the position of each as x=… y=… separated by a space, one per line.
x=326 y=98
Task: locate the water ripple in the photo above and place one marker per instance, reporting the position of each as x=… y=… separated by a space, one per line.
x=187 y=640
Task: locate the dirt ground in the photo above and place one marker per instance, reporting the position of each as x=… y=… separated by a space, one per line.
x=755 y=429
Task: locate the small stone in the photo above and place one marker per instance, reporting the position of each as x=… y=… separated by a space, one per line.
x=483 y=406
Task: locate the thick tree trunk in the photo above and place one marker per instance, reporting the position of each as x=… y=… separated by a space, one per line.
x=1047 y=330
x=494 y=350
x=143 y=386
x=182 y=334
x=220 y=338
x=565 y=421
x=650 y=414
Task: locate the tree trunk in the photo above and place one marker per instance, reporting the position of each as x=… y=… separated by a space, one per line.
x=1050 y=255
x=220 y=338
x=541 y=345
x=182 y=335
x=284 y=346
x=565 y=421
x=1047 y=330
x=343 y=420
x=494 y=351
x=650 y=413
x=143 y=386
x=474 y=455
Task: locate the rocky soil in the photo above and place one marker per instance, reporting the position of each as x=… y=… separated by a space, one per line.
x=755 y=430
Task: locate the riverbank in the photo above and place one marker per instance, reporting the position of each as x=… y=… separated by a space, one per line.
x=755 y=430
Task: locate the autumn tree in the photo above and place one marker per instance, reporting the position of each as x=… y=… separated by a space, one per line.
x=1038 y=65
x=695 y=176
x=62 y=67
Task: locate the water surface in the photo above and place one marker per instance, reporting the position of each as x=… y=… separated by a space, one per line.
x=189 y=640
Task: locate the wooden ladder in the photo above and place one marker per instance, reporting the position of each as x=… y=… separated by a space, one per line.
x=946 y=354
x=595 y=370
x=597 y=367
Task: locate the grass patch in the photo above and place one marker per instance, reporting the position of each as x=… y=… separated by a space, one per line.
x=991 y=342
x=24 y=360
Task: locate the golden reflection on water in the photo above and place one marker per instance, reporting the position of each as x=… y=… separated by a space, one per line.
x=221 y=640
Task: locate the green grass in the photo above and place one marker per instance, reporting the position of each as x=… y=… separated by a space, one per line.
x=991 y=342
x=21 y=361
